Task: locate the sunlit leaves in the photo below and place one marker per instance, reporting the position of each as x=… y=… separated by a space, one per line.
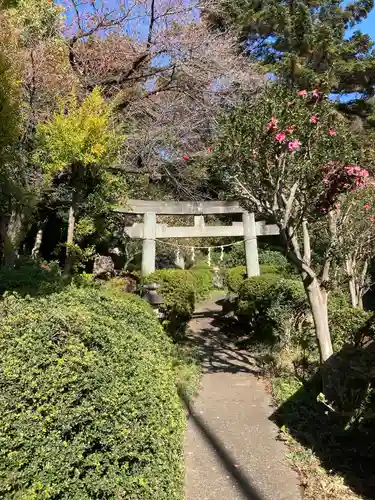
x=79 y=134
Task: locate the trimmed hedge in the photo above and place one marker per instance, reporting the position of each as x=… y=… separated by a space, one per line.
x=88 y=401
x=268 y=269
x=204 y=281
x=178 y=292
x=177 y=289
x=269 y=303
x=273 y=306
x=275 y=259
x=181 y=290
x=235 y=277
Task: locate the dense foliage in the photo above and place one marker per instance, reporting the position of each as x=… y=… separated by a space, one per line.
x=305 y=44
x=31 y=278
x=203 y=281
x=310 y=159
x=235 y=277
x=89 y=407
x=272 y=306
x=181 y=290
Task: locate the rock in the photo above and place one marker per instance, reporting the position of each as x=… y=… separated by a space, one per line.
x=103 y=267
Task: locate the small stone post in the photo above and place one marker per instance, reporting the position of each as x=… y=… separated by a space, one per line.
x=251 y=247
x=149 y=243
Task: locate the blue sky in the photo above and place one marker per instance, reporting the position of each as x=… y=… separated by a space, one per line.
x=368 y=26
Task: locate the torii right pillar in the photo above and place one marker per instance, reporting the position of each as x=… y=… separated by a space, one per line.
x=251 y=246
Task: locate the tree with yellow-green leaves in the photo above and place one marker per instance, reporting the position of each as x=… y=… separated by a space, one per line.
x=24 y=25
x=75 y=149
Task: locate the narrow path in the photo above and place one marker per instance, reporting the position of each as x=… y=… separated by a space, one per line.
x=231 y=450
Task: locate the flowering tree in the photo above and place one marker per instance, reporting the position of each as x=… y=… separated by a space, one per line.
x=290 y=156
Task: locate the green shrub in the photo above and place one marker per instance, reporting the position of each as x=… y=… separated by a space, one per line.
x=337 y=298
x=88 y=405
x=255 y=298
x=203 y=286
x=345 y=322
x=236 y=256
x=178 y=292
x=270 y=304
x=268 y=269
x=235 y=277
x=31 y=277
x=275 y=259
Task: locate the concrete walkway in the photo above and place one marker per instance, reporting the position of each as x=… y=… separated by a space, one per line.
x=231 y=450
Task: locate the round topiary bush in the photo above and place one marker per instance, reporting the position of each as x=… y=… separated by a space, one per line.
x=269 y=304
x=88 y=405
x=235 y=277
x=268 y=269
x=178 y=291
x=276 y=259
x=256 y=295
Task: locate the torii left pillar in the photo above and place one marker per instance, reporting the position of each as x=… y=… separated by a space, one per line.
x=149 y=243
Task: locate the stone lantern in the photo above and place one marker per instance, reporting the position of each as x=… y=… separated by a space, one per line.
x=154 y=298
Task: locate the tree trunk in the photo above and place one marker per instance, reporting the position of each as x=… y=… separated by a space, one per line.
x=360 y=302
x=353 y=293
x=319 y=310
x=12 y=236
x=357 y=283
x=69 y=261
x=35 y=252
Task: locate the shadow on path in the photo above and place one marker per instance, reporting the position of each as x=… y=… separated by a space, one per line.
x=215 y=349
x=231 y=447
x=238 y=476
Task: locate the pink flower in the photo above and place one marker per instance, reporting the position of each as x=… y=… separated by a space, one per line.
x=272 y=125
x=372 y=218
x=338 y=205
x=291 y=129
x=367 y=206
x=186 y=158
x=209 y=150
x=314 y=119
x=316 y=93
x=350 y=170
x=332 y=131
x=294 y=145
x=364 y=173
x=302 y=93
x=280 y=137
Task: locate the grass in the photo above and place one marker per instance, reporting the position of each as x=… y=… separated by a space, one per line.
x=187 y=369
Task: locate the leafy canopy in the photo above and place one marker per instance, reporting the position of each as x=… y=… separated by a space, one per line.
x=305 y=42
x=287 y=145
x=79 y=135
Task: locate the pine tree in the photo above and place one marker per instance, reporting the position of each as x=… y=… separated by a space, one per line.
x=305 y=42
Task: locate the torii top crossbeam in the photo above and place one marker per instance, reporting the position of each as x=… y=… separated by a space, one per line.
x=181 y=207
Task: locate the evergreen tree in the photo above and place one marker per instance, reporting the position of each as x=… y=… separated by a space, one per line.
x=305 y=42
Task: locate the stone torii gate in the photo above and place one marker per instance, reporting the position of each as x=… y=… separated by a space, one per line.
x=149 y=231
